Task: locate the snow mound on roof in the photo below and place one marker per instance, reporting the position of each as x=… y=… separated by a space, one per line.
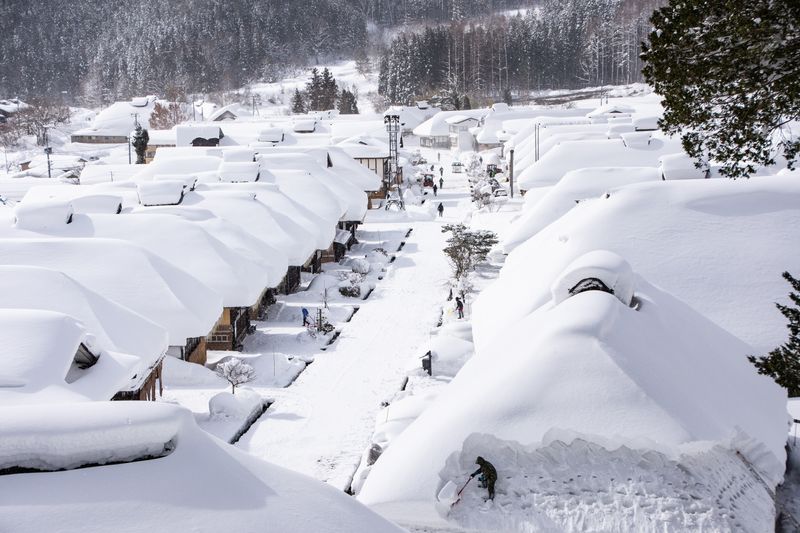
x=129 y=275
x=42 y=215
x=573 y=155
x=50 y=437
x=162 y=192
x=719 y=245
x=233 y=491
x=594 y=369
x=114 y=326
x=576 y=185
x=39 y=348
x=97 y=203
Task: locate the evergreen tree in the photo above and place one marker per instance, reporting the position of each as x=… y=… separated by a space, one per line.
x=783 y=363
x=348 y=104
x=328 y=91
x=139 y=142
x=729 y=73
x=298 y=103
x=314 y=91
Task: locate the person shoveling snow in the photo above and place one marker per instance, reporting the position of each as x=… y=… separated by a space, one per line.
x=488 y=475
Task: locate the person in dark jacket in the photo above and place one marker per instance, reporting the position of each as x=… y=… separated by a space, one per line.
x=488 y=475
x=435 y=189
x=441 y=183
x=305 y=317
x=460 y=307
x=440 y=208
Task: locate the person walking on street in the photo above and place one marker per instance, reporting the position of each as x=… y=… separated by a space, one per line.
x=488 y=475
x=432 y=167
x=438 y=156
x=440 y=208
x=441 y=183
x=305 y=317
x=435 y=189
x=441 y=171
x=460 y=307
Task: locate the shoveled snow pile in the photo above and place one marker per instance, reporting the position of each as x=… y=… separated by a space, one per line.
x=203 y=485
x=719 y=245
x=638 y=398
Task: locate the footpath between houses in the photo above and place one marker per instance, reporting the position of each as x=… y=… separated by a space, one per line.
x=320 y=425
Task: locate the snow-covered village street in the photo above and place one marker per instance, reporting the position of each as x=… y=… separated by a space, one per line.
x=321 y=424
x=439 y=266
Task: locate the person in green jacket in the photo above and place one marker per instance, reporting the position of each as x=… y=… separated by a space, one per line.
x=488 y=475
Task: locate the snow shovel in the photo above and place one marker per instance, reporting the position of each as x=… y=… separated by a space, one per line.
x=449 y=495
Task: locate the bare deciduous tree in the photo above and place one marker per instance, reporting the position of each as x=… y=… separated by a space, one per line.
x=39 y=116
x=236 y=372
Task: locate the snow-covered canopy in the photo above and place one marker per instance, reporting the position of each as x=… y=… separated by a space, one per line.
x=586 y=154
x=238 y=172
x=42 y=216
x=680 y=167
x=117 y=120
x=184 y=244
x=232 y=491
x=308 y=230
x=113 y=326
x=719 y=245
x=234 y=236
x=660 y=377
x=242 y=209
x=238 y=155
x=437 y=125
x=353 y=200
x=576 y=185
x=162 y=192
x=129 y=275
x=189 y=180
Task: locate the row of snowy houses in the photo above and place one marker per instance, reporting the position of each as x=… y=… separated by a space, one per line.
x=175 y=260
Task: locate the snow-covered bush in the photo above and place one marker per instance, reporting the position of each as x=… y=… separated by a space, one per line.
x=359 y=265
x=227 y=405
x=352 y=291
x=236 y=372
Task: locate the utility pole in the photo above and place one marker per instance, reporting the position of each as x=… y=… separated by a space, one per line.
x=395 y=177
x=128 y=139
x=511 y=170
x=47 y=152
x=536 y=139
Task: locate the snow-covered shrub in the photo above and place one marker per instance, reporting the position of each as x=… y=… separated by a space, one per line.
x=352 y=291
x=359 y=265
x=227 y=405
x=236 y=372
